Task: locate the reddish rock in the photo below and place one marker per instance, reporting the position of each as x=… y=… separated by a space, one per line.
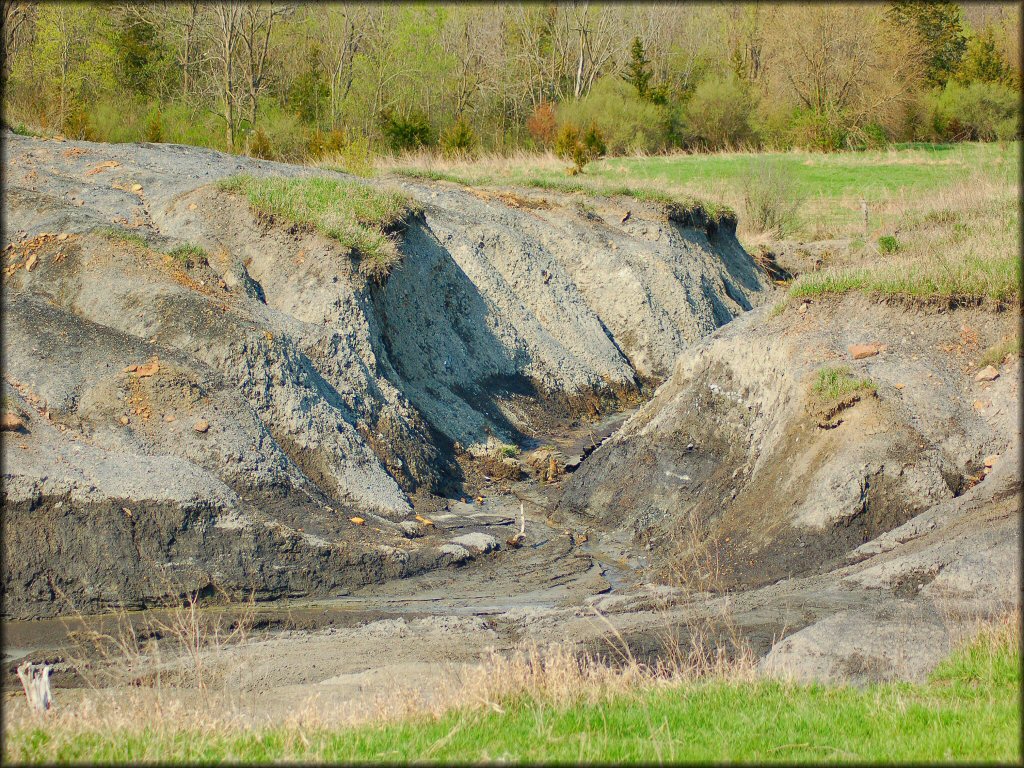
x=860 y=351
x=988 y=373
x=11 y=422
x=201 y=426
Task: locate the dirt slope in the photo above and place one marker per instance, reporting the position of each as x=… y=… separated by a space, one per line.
x=324 y=396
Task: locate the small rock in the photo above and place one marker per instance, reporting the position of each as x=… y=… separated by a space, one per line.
x=860 y=351
x=357 y=521
x=169 y=417
x=149 y=369
x=30 y=264
x=803 y=308
x=125 y=421
x=990 y=461
x=477 y=543
x=899 y=386
x=136 y=187
x=988 y=373
x=11 y=422
x=192 y=206
x=62 y=236
x=410 y=529
x=978 y=405
x=201 y=426
x=131 y=369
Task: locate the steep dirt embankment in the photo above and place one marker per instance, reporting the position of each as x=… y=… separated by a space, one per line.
x=877 y=520
x=215 y=425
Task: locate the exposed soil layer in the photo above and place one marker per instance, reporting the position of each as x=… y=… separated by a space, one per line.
x=360 y=458
x=322 y=397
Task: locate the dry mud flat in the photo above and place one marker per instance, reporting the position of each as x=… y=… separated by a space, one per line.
x=849 y=540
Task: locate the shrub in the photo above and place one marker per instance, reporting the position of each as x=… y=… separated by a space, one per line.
x=888 y=244
x=459 y=139
x=771 y=200
x=323 y=144
x=627 y=122
x=155 y=127
x=76 y=123
x=578 y=146
x=542 y=124
x=813 y=130
x=405 y=133
x=259 y=145
x=976 y=112
x=349 y=155
x=718 y=114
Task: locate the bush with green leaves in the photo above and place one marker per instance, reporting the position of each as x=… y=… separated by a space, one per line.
x=459 y=140
x=888 y=244
x=578 y=146
x=718 y=115
x=627 y=122
x=976 y=111
x=412 y=131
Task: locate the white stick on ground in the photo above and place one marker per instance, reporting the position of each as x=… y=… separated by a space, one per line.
x=35 y=679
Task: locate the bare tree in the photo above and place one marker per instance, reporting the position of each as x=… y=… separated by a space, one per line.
x=226 y=33
x=16 y=14
x=255 y=28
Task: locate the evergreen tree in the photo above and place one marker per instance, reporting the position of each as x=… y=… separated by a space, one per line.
x=638 y=75
x=939 y=27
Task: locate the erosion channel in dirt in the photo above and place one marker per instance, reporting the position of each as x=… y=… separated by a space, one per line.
x=555 y=420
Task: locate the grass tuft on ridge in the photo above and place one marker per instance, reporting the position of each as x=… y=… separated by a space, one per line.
x=360 y=217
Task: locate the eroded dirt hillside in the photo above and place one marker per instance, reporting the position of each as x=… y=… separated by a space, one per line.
x=215 y=425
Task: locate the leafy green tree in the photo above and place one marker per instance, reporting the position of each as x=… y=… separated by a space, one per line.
x=139 y=55
x=939 y=29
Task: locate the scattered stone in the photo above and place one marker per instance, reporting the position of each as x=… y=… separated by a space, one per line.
x=201 y=426
x=410 y=529
x=860 y=351
x=125 y=421
x=11 y=422
x=803 y=308
x=30 y=264
x=516 y=541
x=136 y=187
x=62 y=236
x=900 y=386
x=192 y=206
x=357 y=521
x=988 y=373
x=169 y=417
x=990 y=461
x=425 y=521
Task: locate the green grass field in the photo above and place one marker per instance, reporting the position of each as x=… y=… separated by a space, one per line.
x=943 y=220
x=968 y=710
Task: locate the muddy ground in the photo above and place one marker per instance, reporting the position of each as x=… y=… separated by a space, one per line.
x=675 y=472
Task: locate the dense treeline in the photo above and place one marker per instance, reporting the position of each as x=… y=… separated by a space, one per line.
x=295 y=80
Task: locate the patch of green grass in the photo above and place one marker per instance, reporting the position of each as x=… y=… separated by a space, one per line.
x=995 y=354
x=360 y=217
x=189 y=255
x=508 y=451
x=778 y=308
x=968 y=710
x=124 y=236
x=834 y=383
